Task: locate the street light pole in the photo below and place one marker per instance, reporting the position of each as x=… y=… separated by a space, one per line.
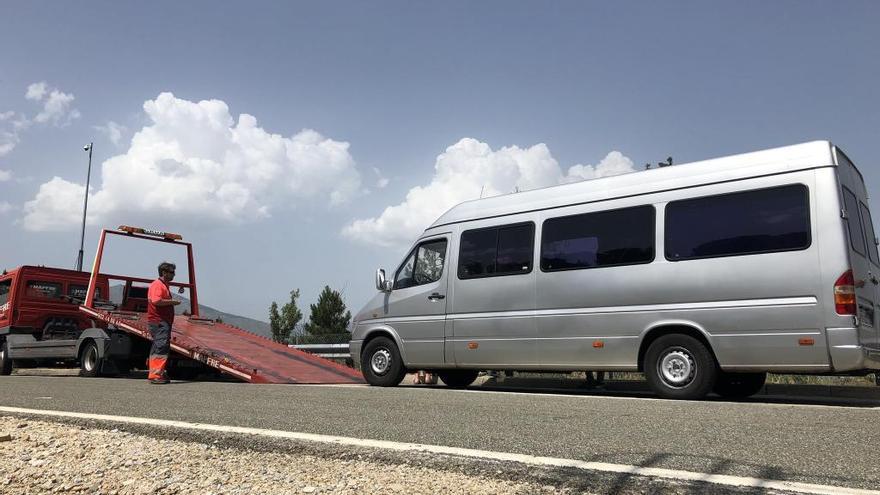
x=82 y=239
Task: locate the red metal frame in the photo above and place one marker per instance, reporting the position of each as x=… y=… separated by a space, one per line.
x=96 y=268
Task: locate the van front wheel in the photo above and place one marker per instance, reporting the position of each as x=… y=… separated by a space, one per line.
x=458 y=378
x=680 y=367
x=381 y=364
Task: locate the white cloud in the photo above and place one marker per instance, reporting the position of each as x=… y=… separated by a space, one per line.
x=614 y=163
x=467 y=170
x=5 y=175
x=381 y=181
x=36 y=91
x=5 y=207
x=195 y=162
x=113 y=131
x=8 y=141
x=57 y=105
x=9 y=137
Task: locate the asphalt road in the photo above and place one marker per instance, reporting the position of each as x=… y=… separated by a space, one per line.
x=832 y=445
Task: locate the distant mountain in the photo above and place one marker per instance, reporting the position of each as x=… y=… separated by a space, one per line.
x=254 y=326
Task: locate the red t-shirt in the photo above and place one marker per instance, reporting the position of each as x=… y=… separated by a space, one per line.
x=157 y=314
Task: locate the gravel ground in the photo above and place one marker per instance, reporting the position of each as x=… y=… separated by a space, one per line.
x=39 y=457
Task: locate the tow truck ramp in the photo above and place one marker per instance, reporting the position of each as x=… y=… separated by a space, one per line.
x=234 y=351
x=227 y=348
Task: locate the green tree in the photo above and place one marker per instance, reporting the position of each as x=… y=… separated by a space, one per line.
x=329 y=315
x=275 y=322
x=284 y=322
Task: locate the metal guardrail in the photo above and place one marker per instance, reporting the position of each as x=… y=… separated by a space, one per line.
x=329 y=351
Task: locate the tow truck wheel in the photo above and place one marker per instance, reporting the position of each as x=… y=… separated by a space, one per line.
x=5 y=360
x=381 y=363
x=458 y=378
x=90 y=360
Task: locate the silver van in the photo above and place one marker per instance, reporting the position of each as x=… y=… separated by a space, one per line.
x=705 y=276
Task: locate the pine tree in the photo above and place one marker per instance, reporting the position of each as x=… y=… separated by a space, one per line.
x=290 y=316
x=283 y=323
x=329 y=315
x=275 y=322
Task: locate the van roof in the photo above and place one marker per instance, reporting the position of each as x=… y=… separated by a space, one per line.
x=734 y=167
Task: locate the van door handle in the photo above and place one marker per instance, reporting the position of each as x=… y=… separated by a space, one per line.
x=436 y=296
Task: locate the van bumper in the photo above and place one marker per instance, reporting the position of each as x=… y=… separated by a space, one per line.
x=354 y=349
x=847 y=354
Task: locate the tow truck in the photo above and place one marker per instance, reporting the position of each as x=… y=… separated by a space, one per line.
x=108 y=338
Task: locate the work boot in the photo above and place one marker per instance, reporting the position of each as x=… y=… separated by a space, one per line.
x=159 y=381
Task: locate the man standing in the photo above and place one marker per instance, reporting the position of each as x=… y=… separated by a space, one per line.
x=160 y=316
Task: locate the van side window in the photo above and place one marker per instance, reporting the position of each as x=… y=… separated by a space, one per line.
x=595 y=240
x=5 y=286
x=869 y=233
x=856 y=234
x=751 y=222
x=424 y=265
x=497 y=251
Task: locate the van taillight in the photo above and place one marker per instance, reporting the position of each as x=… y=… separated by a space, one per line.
x=845 y=294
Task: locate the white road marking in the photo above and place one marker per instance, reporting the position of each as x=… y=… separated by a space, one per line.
x=671 y=474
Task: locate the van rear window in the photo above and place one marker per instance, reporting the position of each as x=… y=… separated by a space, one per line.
x=869 y=231
x=43 y=290
x=856 y=234
x=595 y=240
x=751 y=222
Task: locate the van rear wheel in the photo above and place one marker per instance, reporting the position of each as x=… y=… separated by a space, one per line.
x=458 y=378
x=739 y=385
x=381 y=363
x=679 y=366
x=5 y=360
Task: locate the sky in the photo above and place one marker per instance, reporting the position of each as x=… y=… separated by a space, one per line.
x=303 y=144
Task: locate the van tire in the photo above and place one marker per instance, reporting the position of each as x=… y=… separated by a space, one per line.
x=739 y=385
x=679 y=366
x=381 y=363
x=90 y=360
x=5 y=360
x=458 y=378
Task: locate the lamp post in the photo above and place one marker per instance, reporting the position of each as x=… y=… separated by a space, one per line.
x=82 y=239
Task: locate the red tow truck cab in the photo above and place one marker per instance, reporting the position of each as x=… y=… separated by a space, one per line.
x=40 y=306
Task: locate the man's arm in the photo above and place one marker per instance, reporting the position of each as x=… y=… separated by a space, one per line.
x=155 y=296
x=166 y=302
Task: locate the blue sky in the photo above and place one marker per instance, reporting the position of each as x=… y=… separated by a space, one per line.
x=433 y=99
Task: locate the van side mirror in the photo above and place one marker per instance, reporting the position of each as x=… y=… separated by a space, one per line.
x=382 y=285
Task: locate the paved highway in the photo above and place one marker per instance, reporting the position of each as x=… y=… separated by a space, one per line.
x=831 y=445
